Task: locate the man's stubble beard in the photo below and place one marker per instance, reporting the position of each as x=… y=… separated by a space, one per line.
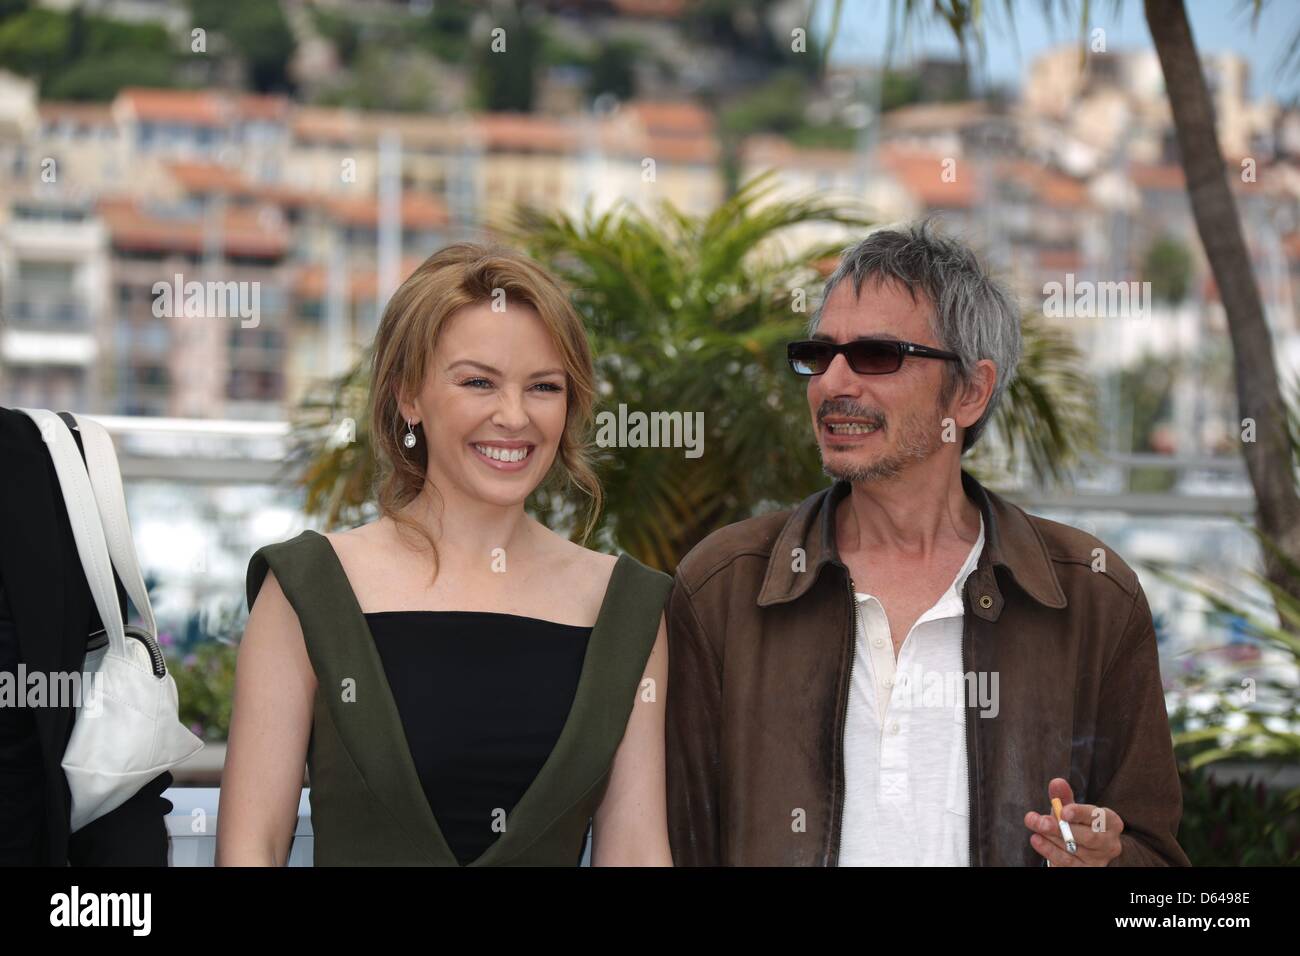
x=913 y=447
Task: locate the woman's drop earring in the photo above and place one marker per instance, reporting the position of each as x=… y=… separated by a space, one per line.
x=409 y=440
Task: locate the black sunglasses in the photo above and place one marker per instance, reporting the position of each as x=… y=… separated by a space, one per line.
x=865 y=356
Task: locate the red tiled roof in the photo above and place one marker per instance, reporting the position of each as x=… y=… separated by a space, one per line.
x=198 y=107
x=1060 y=260
x=671 y=130
x=680 y=117
x=672 y=149
x=200 y=177
x=262 y=107
x=285 y=196
x=1051 y=187
x=244 y=232
x=419 y=211
x=88 y=114
x=920 y=172
x=1157 y=176
x=311 y=282
x=526 y=133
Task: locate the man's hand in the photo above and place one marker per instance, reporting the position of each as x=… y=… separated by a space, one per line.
x=1096 y=830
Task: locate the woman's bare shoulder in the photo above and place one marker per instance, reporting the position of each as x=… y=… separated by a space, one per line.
x=574 y=557
x=359 y=539
x=578 y=570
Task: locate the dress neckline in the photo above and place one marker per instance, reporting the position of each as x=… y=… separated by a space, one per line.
x=523 y=617
x=515 y=617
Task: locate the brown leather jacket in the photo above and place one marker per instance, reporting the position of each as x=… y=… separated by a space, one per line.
x=760 y=646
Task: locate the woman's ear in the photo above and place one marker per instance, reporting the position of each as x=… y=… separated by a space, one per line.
x=405 y=407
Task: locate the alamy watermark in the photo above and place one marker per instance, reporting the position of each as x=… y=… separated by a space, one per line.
x=34 y=689
x=916 y=687
x=1086 y=299
x=626 y=429
x=130 y=910
x=209 y=299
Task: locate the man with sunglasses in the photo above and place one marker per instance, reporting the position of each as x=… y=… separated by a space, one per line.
x=906 y=669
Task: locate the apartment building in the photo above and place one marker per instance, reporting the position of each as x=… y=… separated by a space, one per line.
x=54 y=321
x=217 y=356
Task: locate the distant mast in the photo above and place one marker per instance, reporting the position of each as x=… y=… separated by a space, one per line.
x=389 y=238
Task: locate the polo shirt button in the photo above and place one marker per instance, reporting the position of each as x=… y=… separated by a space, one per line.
x=986 y=602
x=889 y=682
x=878 y=642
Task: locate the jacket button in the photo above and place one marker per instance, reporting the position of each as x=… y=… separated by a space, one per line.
x=986 y=602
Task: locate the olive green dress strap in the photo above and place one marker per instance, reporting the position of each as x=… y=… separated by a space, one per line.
x=547 y=825
x=367 y=803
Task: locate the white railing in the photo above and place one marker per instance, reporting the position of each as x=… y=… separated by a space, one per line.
x=192 y=828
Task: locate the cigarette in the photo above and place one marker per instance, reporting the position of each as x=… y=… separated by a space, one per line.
x=1066 y=832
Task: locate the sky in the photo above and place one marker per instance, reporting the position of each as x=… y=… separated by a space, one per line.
x=1217 y=26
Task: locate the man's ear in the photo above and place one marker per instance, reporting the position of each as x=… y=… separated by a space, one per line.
x=973 y=398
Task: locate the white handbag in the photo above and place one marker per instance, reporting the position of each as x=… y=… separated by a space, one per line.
x=137 y=733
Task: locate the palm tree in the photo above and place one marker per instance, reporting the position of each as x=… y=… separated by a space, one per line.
x=329 y=448
x=691 y=313
x=1259 y=395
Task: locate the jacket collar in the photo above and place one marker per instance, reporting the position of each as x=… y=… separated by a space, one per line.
x=807 y=543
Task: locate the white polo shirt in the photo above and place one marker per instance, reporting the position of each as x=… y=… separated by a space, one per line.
x=905 y=775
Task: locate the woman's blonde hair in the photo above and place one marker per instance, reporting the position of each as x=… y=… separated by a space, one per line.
x=459 y=275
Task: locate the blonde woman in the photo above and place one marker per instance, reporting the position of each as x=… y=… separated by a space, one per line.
x=465 y=686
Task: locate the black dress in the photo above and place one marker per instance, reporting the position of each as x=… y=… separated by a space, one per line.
x=483 y=697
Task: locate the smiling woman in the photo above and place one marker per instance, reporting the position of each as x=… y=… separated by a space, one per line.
x=466 y=686
x=462 y=311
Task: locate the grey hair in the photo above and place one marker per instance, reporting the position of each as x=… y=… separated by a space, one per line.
x=975 y=315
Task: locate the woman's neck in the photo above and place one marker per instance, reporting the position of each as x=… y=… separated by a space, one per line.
x=468 y=531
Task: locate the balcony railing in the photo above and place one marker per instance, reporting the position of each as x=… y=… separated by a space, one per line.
x=61 y=314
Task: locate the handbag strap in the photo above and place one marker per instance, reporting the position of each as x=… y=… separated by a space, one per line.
x=83 y=515
x=106 y=482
